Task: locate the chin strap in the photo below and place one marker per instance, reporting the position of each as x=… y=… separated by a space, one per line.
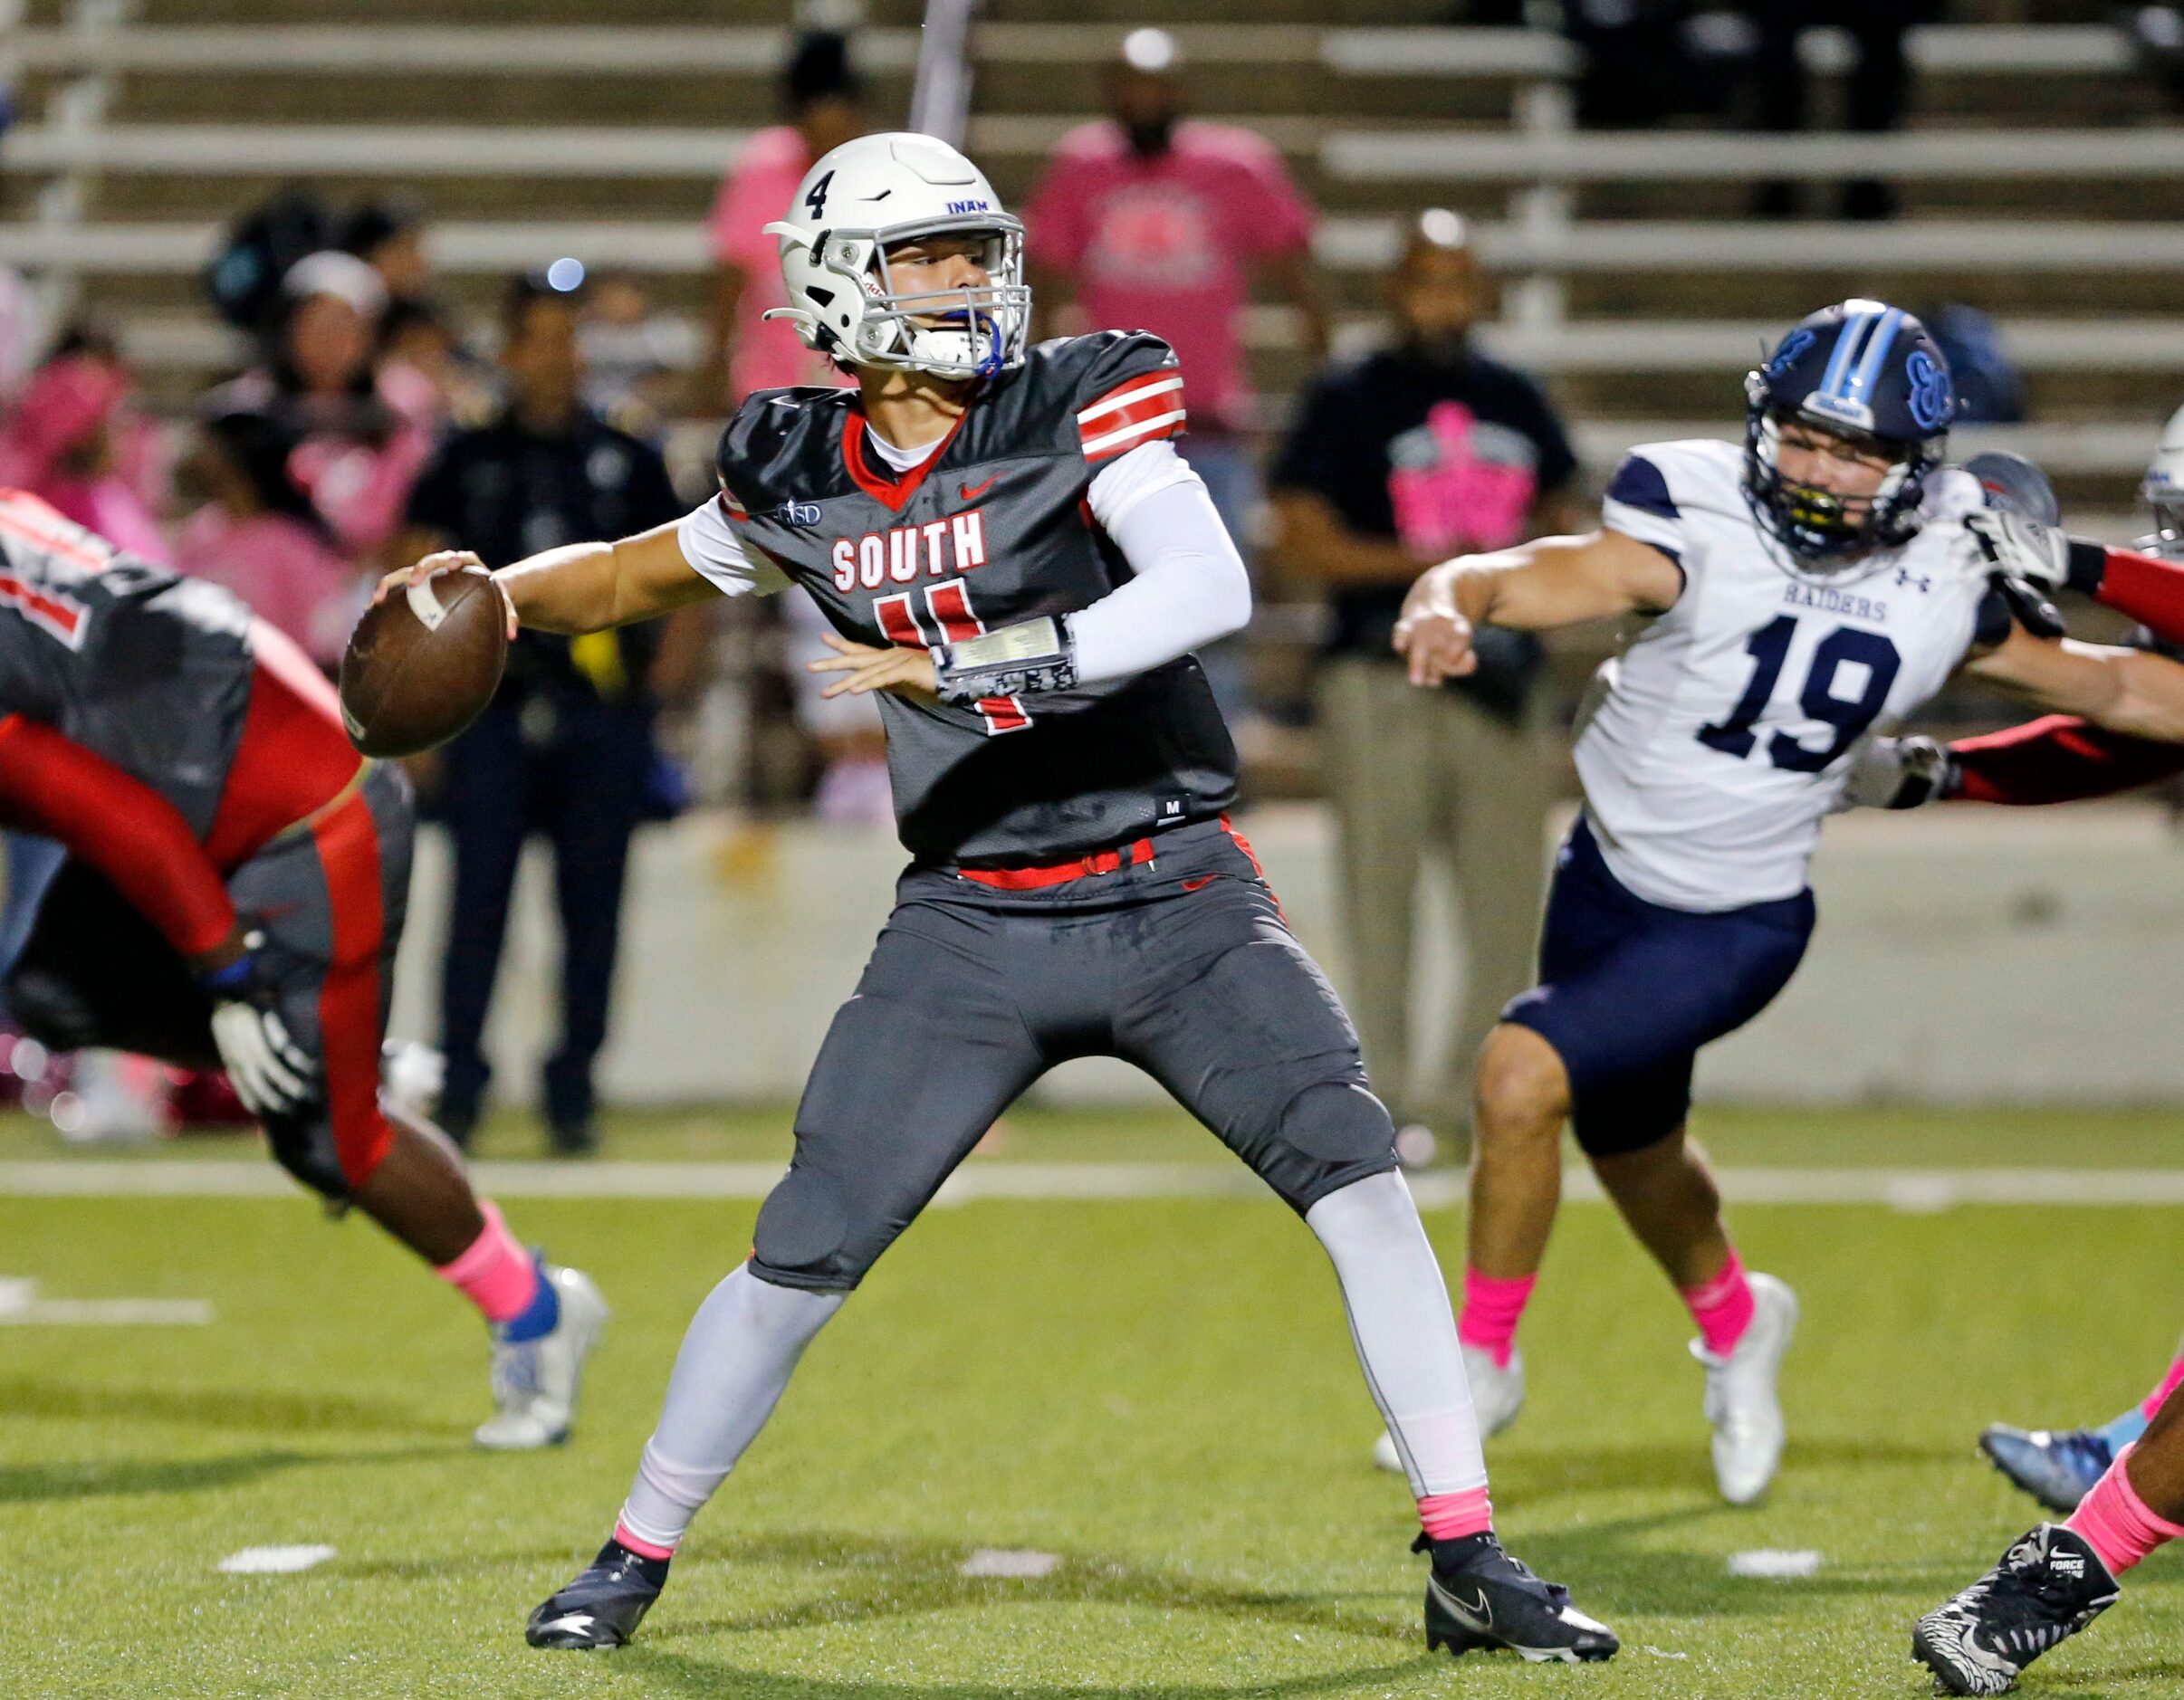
x=1036 y=655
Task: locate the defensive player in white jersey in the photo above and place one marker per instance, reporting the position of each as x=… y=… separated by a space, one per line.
x=1793 y=594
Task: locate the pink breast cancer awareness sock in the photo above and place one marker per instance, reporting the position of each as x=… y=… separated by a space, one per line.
x=1492 y=1307
x=2169 y=1384
x=496 y=1272
x=1452 y=1516
x=2116 y=1523
x=636 y=1543
x=1722 y=1306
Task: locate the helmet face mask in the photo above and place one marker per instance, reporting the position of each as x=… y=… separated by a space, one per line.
x=1870 y=376
x=845 y=299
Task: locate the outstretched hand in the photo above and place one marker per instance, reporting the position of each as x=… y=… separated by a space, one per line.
x=1433 y=633
x=446 y=560
x=908 y=672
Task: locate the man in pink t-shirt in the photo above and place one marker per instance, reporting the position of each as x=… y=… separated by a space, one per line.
x=1146 y=221
x=824 y=97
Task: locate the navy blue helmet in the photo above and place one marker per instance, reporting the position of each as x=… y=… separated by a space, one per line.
x=1865 y=372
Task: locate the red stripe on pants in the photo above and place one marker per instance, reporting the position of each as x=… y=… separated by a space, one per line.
x=349 y=1000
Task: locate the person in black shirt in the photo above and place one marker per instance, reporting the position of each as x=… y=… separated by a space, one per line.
x=1421 y=450
x=565 y=749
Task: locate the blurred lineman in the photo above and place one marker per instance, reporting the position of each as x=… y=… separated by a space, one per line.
x=1015 y=557
x=233 y=898
x=565 y=750
x=2060 y=759
x=1396 y=459
x=1832 y=572
x=2060 y=1577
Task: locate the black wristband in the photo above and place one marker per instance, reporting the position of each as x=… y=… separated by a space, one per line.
x=2088 y=566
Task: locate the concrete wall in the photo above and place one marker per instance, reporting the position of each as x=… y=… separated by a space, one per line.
x=1963 y=954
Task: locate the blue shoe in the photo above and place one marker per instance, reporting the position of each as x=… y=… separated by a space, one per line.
x=2057 y=1466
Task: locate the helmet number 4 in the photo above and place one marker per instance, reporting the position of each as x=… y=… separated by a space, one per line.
x=1865 y=662
x=817 y=200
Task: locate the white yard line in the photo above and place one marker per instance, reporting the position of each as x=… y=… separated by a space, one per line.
x=1912 y=1190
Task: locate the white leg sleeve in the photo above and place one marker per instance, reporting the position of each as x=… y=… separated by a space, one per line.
x=1406 y=1332
x=735 y=1362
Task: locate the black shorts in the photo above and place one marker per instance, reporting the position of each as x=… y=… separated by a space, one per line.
x=329 y=895
x=1630 y=990
x=1182 y=964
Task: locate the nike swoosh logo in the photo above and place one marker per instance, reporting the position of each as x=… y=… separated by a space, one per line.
x=578 y=1622
x=1478 y=1615
x=1200 y=885
x=971 y=494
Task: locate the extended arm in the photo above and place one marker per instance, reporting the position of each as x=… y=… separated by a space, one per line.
x=1534 y=588
x=585 y=587
x=2129 y=691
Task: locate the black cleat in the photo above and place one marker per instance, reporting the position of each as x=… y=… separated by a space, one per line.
x=2047 y=1588
x=1478 y=1596
x=604 y=1605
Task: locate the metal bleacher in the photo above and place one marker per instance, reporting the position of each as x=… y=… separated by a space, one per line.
x=2042 y=180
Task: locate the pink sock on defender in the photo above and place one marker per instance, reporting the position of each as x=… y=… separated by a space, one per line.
x=1492 y=1307
x=1722 y=1307
x=2117 y=1524
x=2169 y=1384
x=1452 y=1516
x=496 y=1272
x=638 y=1543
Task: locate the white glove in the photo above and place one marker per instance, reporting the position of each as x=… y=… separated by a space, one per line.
x=2018 y=547
x=270 y=1071
x=1895 y=773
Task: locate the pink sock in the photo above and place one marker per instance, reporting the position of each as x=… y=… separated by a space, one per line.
x=2169 y=1384
x=1722 y=1306
x=496 y=1272
x=1492 y=1307
x=1452 y=1516
x=638 y=1545
x=2116 y=1522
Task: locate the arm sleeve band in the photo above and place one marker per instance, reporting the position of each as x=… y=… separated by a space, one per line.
x=2147 y=588
x=2057 y=760
x=118 y=824
x=1189 y=585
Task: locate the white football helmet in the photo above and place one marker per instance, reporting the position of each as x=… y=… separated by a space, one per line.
x=867 y=197
x=2162 y=490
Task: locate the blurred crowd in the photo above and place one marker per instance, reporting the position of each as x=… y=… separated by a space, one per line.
x=372 y=422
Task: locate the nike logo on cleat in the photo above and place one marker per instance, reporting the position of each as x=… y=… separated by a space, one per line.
x=576 y=1622
x=1477 y=1616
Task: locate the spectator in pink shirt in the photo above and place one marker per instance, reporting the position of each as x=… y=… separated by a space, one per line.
x=824 y=99
x=260 y=536
x=76 y=439
x=1146 y=220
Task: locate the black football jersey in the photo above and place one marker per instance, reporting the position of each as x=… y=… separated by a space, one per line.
x=993 y=528
x=149 y=670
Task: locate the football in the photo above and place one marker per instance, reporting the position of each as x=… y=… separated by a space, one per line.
x=421 y=664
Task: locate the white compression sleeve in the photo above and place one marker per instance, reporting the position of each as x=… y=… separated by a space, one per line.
x=1190 y=586
x=735 y=1362
x=1405 y=1334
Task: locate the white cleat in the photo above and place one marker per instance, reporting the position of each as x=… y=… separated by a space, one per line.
x=535 y=1381
x=1740 y=1398
x=1497 y=1396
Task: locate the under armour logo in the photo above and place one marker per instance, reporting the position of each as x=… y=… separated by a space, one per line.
x=1908 y=579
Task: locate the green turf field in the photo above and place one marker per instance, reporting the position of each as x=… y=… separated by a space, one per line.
x=1162 y=1393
